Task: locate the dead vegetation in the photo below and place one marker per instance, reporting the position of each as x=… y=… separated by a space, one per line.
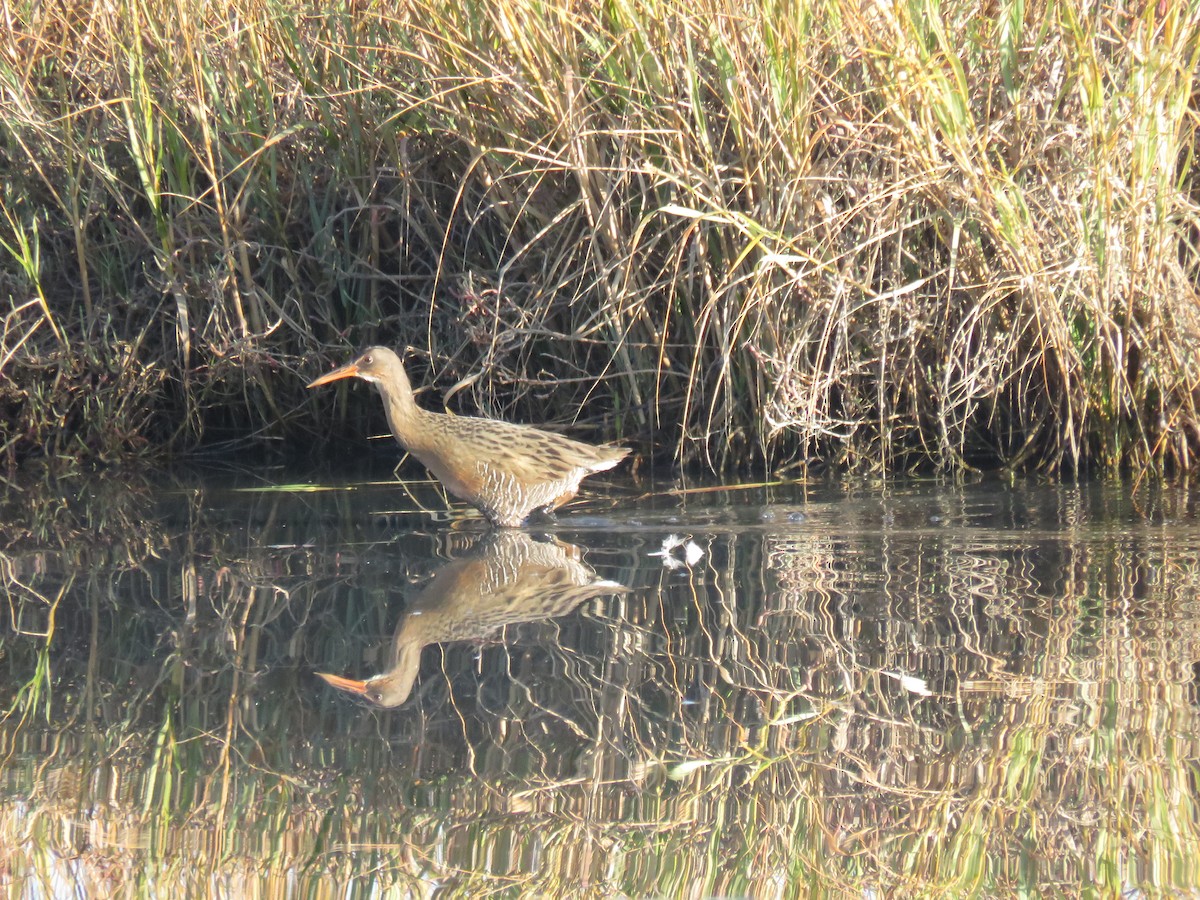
x=735 y=235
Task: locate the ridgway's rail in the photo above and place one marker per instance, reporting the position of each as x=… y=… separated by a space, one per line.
x=506 y=579
x=505 y=470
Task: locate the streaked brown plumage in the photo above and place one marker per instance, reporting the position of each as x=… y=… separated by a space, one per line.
x=506 y=470
x=505 y=579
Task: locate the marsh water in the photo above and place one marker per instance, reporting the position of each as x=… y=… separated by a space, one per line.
x=671 y=690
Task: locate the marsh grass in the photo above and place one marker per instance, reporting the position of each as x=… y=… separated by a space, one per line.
x=879 y=236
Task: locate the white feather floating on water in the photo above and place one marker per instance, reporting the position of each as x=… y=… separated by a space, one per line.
x=692 y=553
x=912 y=683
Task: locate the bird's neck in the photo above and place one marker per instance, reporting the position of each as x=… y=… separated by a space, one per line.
x=403 y=414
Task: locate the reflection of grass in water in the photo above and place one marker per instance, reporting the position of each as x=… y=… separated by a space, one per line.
x=33 y=695
x=712 y=734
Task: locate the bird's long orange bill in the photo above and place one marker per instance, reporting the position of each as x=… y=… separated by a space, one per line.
x=347 y=371
x=345 y=684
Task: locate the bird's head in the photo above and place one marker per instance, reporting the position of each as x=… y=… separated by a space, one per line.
x=374 y=365
x=387 y=690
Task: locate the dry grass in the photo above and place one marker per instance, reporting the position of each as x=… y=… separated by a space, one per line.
x=733 y=233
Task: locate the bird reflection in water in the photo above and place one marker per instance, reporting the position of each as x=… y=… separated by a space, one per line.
x=506 y=579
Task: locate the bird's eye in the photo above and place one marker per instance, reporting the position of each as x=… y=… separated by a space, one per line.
x=367 y=360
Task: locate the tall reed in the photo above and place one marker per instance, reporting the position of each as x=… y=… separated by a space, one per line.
x=770 y=233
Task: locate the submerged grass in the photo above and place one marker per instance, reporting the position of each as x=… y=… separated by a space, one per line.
x=881 y=236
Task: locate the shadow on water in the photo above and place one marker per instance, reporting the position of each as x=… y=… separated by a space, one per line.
x=890 y=688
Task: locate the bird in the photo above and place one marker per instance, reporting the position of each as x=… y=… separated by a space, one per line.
x=507 y=471
x=506 y=578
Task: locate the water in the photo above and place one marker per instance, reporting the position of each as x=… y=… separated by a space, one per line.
x=849 y=689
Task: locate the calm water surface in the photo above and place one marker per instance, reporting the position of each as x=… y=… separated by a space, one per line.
x=846 y=689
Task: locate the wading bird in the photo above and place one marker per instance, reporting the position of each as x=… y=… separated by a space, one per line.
x=505 y=470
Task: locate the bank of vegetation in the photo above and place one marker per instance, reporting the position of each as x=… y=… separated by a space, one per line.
x=878 y=236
